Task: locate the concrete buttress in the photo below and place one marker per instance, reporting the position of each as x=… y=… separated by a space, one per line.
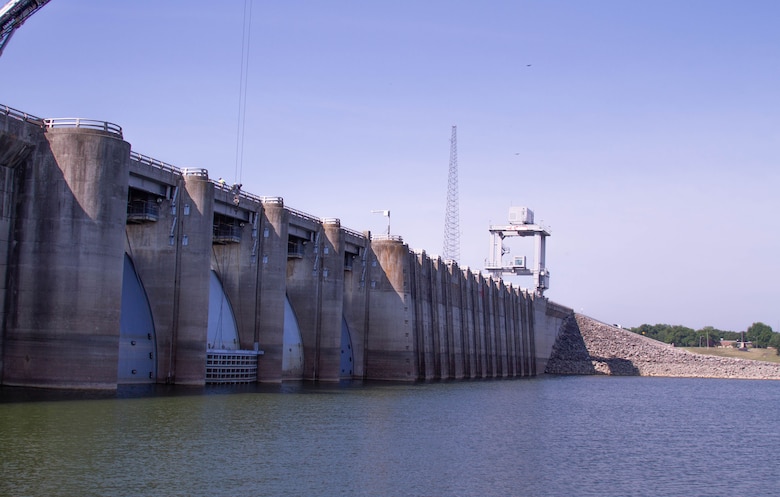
x=390 y=350
x=62 y=327
x=192 y=301
x=272 y=291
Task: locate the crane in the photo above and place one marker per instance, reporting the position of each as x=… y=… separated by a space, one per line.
x=13 y=14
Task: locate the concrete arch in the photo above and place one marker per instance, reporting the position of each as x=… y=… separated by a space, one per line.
x=222 y=330
x=137 y=362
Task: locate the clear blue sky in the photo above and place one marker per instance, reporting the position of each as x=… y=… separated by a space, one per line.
x=645 y=134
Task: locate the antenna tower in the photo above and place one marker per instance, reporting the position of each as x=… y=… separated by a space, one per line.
x=452 y=219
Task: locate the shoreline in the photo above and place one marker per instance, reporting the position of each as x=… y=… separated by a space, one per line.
x=586 y=346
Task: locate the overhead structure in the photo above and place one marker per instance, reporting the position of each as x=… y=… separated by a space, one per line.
x=13 y=14
x=521 y=223
x=452 y=217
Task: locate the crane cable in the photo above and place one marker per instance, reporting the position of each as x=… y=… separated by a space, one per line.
x=242 y=88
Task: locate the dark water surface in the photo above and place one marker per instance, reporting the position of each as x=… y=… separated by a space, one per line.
x=548 y=436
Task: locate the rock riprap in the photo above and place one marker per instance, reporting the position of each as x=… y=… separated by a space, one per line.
x=587 y=346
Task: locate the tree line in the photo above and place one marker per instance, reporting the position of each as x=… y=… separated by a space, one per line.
x=759 y=334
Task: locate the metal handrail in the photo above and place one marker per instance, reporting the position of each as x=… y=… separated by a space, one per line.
x=143 y=207
x=144 y=159
x=354 y=233
x=21 y=116
x=303 y=215
x=295 y=212
x=195 y=171
x=78 y=122
x=250 y=196
x=392 y=238
x=269 y=200
x=329 y=220
x=224 y=230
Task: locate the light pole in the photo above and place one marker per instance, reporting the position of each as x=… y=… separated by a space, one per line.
x=384 y=213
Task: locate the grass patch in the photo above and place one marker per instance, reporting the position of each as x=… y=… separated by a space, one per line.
x=767 y=355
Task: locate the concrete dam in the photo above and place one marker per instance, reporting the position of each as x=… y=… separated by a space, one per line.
x=117 y=268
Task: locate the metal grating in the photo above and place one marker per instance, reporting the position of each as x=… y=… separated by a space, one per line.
x=231 y=366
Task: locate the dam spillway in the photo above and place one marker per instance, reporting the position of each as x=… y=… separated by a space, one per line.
x=118 y=269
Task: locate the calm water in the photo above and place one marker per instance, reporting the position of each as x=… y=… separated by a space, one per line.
x=550 y=436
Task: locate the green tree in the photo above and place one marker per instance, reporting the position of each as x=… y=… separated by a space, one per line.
x=714 y=335
x=731 y=335
x=775 y=342
x=760 y=334
x=676 y=334
x=683 y=336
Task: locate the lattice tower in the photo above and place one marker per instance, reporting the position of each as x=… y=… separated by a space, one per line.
x=452 y=218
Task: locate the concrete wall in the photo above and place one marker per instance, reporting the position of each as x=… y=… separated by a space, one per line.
x=64 y=229
x=155 y=250
x=65 y=262
x=547 y=315
x=467 y=326
x=237 y=266
x=272 y=291
x=172 y=257
x=17 y=141
x=391 y=346
x=356 y=297
x=196 y=225
x=315 y=286
x=327 y=355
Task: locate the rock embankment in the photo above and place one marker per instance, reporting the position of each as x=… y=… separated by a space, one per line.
x=587 y=346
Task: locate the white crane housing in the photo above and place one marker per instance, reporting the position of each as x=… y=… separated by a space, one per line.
x=521 y=223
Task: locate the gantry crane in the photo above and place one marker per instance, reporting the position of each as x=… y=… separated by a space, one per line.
x=521 y=223
x=13 y=14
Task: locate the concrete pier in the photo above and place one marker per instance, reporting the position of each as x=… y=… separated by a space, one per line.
x=300 y=297
x=272 y=293
x=390 y=344
x=65 y=261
